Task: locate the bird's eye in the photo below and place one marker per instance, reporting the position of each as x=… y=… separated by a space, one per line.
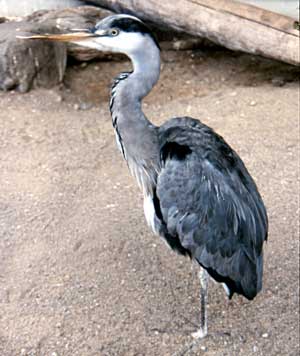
x=114 y=32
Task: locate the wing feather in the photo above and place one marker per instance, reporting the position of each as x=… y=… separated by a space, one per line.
x=209 y=201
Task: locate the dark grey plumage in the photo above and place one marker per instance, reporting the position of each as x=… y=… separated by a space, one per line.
x=210 y=202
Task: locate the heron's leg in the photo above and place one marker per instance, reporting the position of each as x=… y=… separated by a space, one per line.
x=202 y=332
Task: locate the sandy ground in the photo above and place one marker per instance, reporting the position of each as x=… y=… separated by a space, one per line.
x=81 y=273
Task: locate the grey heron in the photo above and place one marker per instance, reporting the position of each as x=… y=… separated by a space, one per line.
x=198 y=194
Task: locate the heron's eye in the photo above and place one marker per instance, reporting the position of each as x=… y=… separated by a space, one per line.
x=114 y=32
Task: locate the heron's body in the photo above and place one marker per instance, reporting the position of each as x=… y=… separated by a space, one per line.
x=198 y=194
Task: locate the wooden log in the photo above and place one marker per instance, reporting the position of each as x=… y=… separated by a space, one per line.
x=26 y=64
x=234 y=25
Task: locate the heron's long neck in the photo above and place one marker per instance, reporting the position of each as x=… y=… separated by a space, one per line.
x=136 y=136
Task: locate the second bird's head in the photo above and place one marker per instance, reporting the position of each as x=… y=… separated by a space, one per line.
x=117 y=33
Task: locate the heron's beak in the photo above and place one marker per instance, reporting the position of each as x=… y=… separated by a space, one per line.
x=64 y=37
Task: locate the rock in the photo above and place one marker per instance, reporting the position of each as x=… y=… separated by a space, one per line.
x=187 y=44
x=278 y=81
x=59 y=99
x=26 y=64
x=85 y=106
x=82 y=106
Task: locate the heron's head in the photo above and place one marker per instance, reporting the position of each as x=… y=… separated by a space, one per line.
x=118 y=33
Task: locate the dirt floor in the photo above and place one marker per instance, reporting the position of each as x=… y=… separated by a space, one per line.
x=81 y=273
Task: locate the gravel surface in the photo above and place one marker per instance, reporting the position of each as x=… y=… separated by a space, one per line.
x=81 y=273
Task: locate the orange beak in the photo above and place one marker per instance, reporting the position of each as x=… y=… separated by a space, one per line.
x=64 y=37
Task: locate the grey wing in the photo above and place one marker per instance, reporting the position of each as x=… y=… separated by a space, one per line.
x=211 y=206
